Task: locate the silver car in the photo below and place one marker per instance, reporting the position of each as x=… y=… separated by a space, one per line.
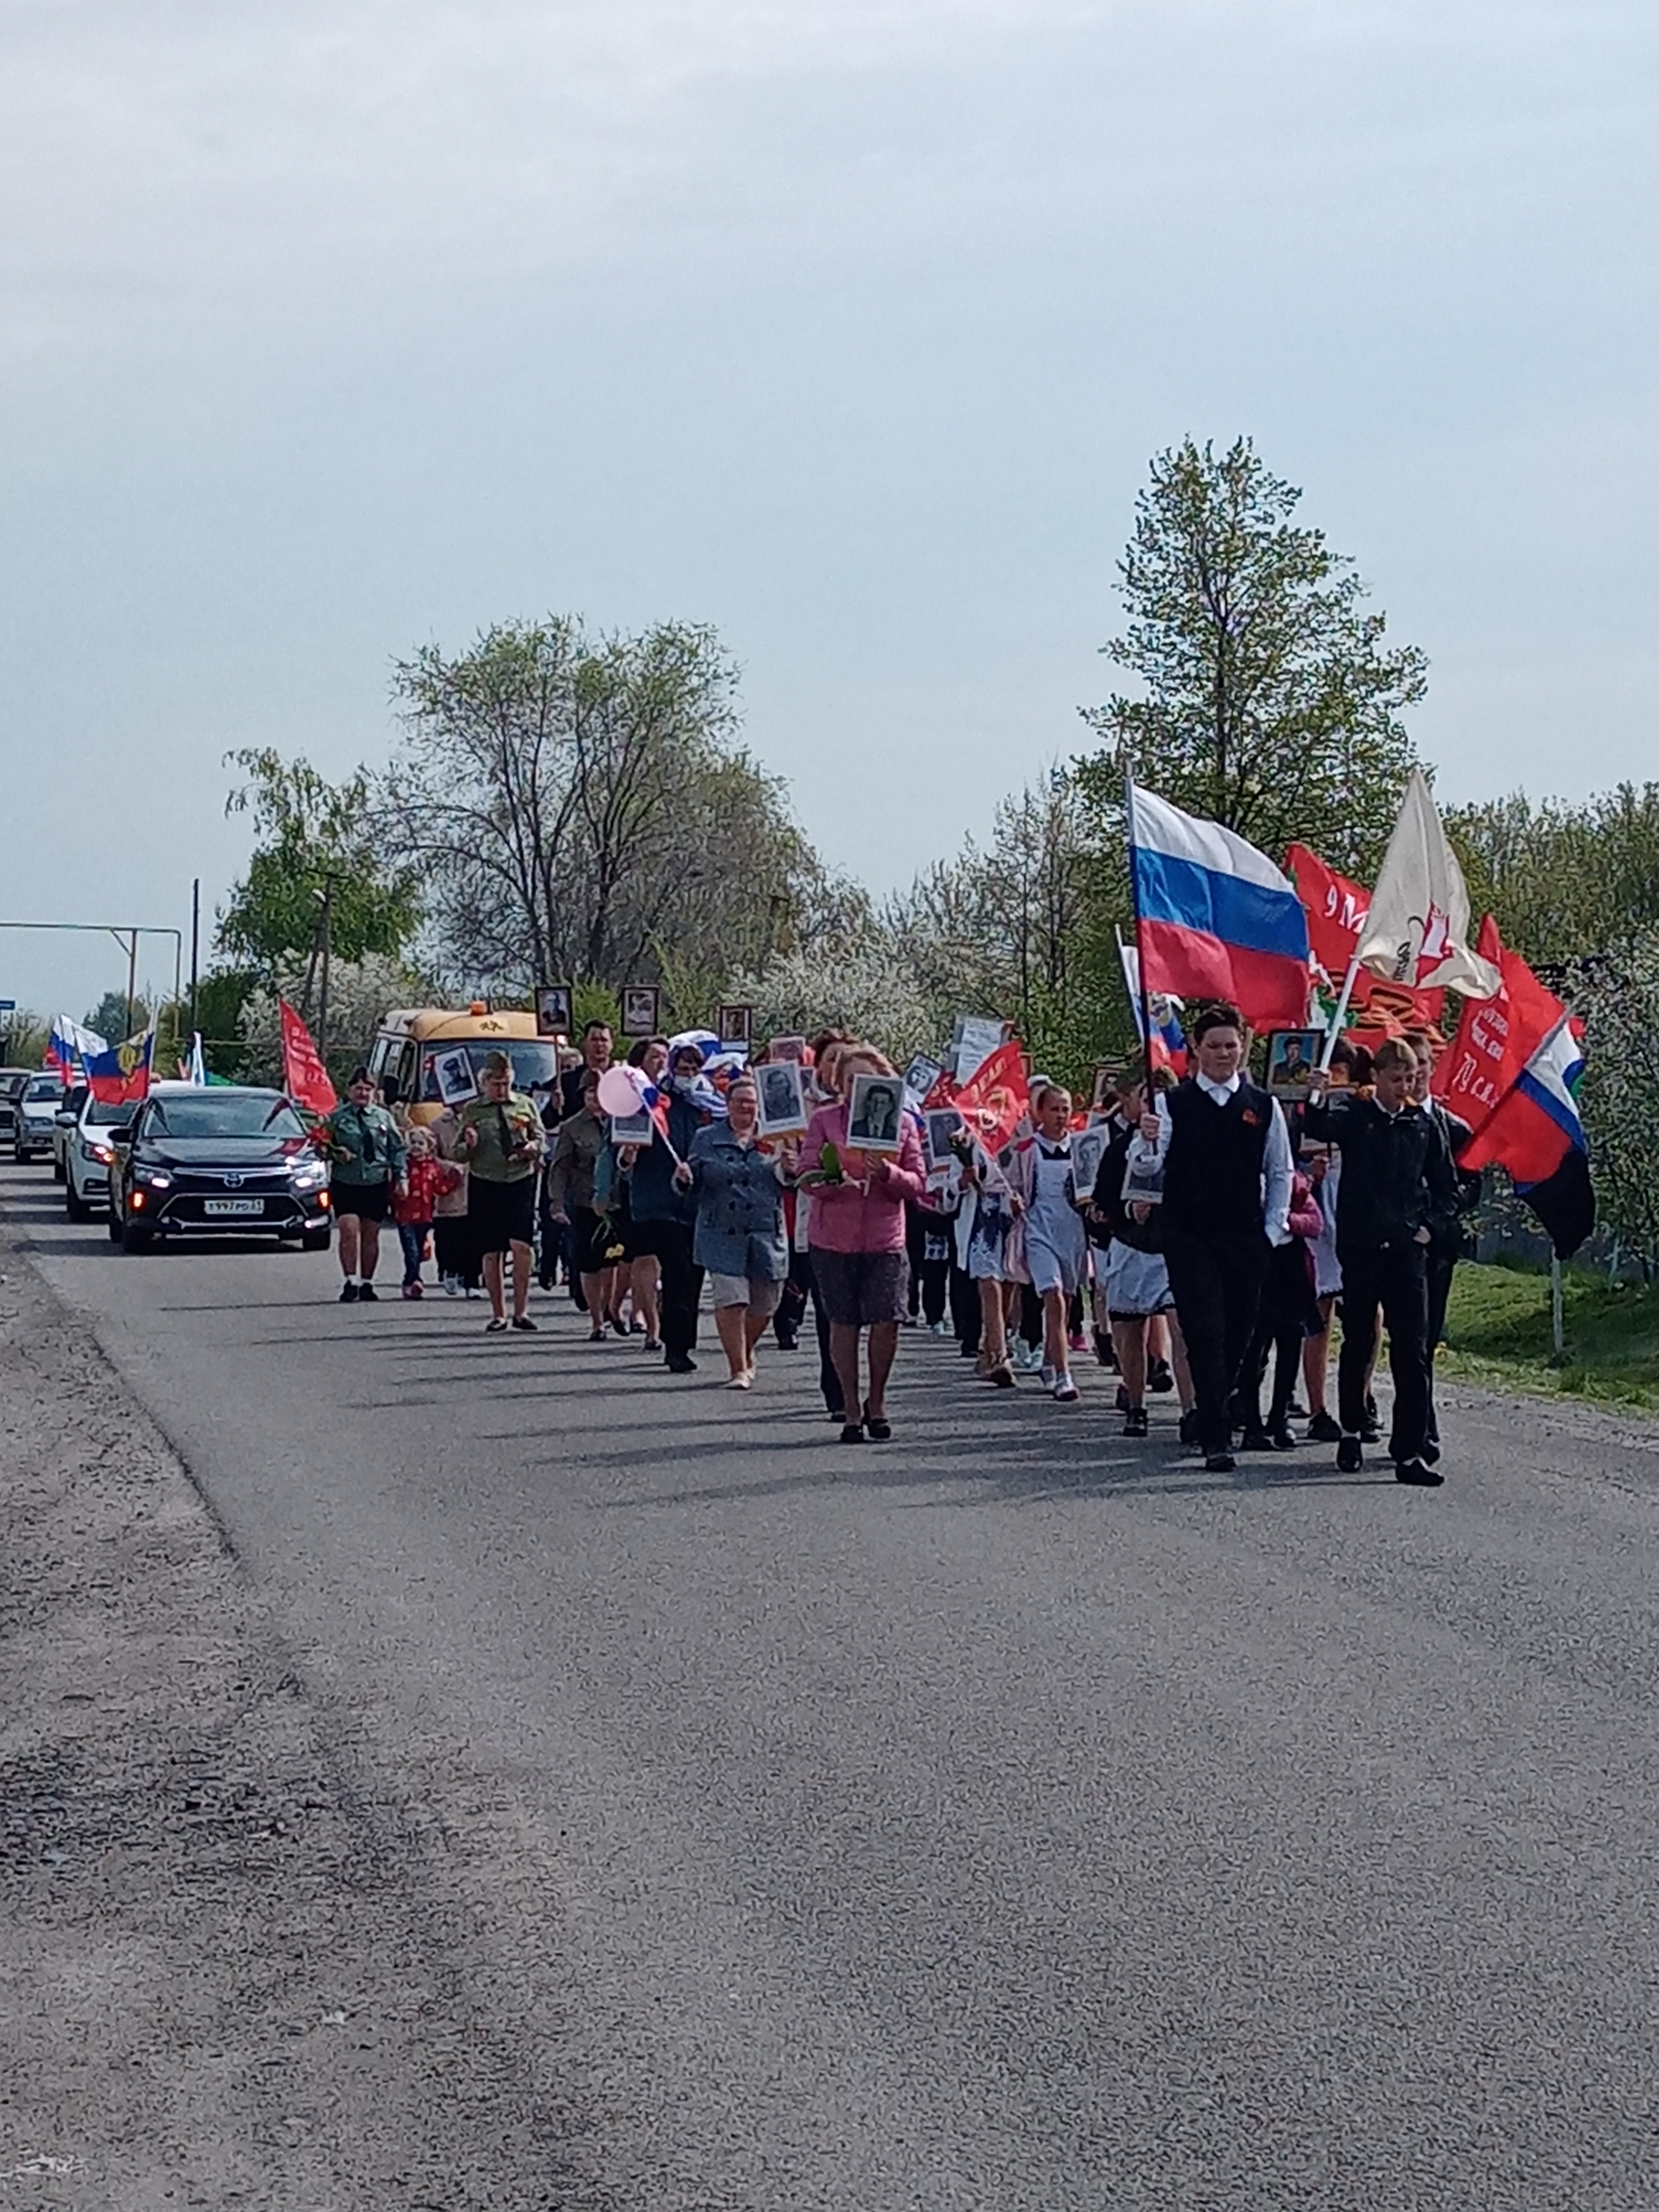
x=88 y=1155
x=37 y=1112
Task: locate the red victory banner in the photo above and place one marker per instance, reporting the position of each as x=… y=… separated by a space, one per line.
x=993 y=1102
x=304 y=1077
x=1337 y=909
x=1496 y=1037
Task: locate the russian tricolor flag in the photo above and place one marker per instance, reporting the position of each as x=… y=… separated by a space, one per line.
x=1214 y=918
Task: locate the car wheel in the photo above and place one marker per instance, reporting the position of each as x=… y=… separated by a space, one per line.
x=316 y=1240
x=74 y=1204
x=136 y=1236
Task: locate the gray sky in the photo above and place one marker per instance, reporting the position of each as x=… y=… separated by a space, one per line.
x=848 y=325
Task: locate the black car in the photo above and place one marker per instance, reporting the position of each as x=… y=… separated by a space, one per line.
x=224 y=1161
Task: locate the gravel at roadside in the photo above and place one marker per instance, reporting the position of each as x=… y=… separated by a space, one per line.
x=227 y=1977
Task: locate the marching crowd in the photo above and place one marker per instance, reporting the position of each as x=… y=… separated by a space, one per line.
x=1219 y=1235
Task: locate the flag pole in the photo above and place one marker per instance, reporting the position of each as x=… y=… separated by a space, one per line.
x=1558 y=1317
x=1140 y=956
x=1340 y=1016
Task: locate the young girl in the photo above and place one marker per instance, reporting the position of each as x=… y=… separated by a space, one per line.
x=428 y=1179
x=1053 y=1254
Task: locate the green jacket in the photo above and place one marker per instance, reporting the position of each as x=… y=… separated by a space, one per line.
x=365 y=1145
x=489 y=1160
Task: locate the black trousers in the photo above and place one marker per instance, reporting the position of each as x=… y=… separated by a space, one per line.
x=1441 y=1267
x=800 y=1269
x=967 y=1313
x=1216 y=1283
x=452 y=1242
x=1394 y=1277
x=681 y=1282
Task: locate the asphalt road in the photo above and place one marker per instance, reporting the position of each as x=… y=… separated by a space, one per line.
x=1006 y=1817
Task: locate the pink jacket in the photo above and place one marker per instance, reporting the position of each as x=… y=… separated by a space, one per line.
x=844 y=1216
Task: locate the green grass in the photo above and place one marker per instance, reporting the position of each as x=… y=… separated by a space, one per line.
x=1498 y=1333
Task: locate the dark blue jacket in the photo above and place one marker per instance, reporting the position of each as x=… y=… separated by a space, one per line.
x=653 y=1194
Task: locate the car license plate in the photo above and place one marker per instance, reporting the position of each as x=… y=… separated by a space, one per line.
x=237 y=1206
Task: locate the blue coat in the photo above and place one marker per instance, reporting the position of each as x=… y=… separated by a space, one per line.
x=739 y=1226
x=653 y=1194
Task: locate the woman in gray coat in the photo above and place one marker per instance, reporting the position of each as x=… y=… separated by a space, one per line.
x=738 y=1234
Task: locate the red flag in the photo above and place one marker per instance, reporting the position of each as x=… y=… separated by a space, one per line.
x=304 y=1077
x=942 y=1094
x=1496 y=1038
x=994 y=1101
x=1336 y=908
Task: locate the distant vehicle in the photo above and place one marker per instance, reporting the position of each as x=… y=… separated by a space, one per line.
x=13 y=1081
x=412 y=1041
x=88 y=1153
x=66 y=1121
x=229 y=1161
x=35 y=1110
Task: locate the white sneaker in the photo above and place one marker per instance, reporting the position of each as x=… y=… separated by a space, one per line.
x=744 y=1381
x=1064 y=1390
x=939 y=1328
x=1027 y=1360
x=452 y=1286
x=1048 y=1378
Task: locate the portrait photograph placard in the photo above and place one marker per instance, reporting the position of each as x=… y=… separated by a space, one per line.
x=875 y=1114
x=633 y=1128
x=1292 y=1056
x=735 y=1024
x=453 y=1073
x=640 y=1005
x=553 y=1015
x=1087 y=1147
x=941 y=1124
x=782 y=1087
x=787 y=1048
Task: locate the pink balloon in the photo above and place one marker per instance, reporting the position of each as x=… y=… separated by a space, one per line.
x=622 y=1091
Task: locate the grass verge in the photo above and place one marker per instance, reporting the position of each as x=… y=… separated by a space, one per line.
x=1498 y=1333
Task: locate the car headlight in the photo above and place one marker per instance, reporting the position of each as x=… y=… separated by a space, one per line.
x=311 y=1176
x=156 y=1178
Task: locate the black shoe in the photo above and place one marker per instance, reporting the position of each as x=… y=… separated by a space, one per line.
x=1255 y=1438
x=1134 y=1421
x=1221 y=1463
x=852 y=1432
x=1420 y=1477
x=1370 y=1431
x=1160 y=1378
x=348 y=1294
x=1189 y=1426
x=1284 y=1437
x=1431 y=1452
x=369 y=1294
x=680 y=1363
x=1349 y=1456
x=785 y=1343
x=524 y=1322
x=545 y=1281
x=878 y=1427
x=1104 y=1356
x=1295 y=1411
x=838 y=1415
x=968 y=1350
x=1322 y=1430
x=1122 y=1399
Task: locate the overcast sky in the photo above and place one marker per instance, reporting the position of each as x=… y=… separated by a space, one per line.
x=333 y=328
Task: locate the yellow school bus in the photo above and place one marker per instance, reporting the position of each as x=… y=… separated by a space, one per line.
x=416 y=1051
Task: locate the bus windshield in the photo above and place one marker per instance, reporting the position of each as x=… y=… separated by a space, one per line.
x=535 y=1061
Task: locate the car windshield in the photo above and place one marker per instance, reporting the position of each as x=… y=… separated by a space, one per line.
x=11 y=1084
x=42 y=1086
x=101 y=1114
x=224 y=1113
x=534 y=1063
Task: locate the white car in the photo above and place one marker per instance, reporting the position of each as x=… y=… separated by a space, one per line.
x=88 y=1155
x=64 y=1124
x=37 y=1112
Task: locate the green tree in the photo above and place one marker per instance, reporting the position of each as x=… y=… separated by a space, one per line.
x=1564 y=881
x=1268 y=699
x=582 y=810
x=1617 y=997
x=314 y=838
x=109 y=1017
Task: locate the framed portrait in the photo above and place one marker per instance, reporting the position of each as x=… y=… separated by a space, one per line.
x=921 y=1076
x=453 y=1073
x=1088 y=1146
x=633 y=1128
x=940 y=1124
x=875 y=1114
x=1105 y=1087
x=553 y=1015
x=735 y=1024
x=1292 y=1056
x=782 y=1085
x=639 y=1006
x=1143 y=1179
x=787 y=1048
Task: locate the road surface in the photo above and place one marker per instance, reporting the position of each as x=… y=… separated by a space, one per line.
x=1006 y=1817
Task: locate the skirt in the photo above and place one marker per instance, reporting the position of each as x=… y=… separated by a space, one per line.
x=499 y=1214
x=1136 y=1283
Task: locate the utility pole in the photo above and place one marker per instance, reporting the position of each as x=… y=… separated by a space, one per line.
x=195 y=951
x=133 y=981
x=326 y=931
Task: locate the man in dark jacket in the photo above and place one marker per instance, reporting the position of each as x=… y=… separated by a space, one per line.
x=1448 y=1243
x=663 y=1213
x=1398 y=1188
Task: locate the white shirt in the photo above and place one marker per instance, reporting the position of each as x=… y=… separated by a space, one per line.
x=1277 y=1166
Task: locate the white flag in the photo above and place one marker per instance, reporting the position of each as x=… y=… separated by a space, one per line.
x=1417 y=931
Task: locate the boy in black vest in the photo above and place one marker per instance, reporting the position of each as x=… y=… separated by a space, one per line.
x=1398 y=1190
x=1227 y=1171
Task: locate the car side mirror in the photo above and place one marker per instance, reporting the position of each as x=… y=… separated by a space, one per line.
x=65 y=1121
x=119 y=1133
